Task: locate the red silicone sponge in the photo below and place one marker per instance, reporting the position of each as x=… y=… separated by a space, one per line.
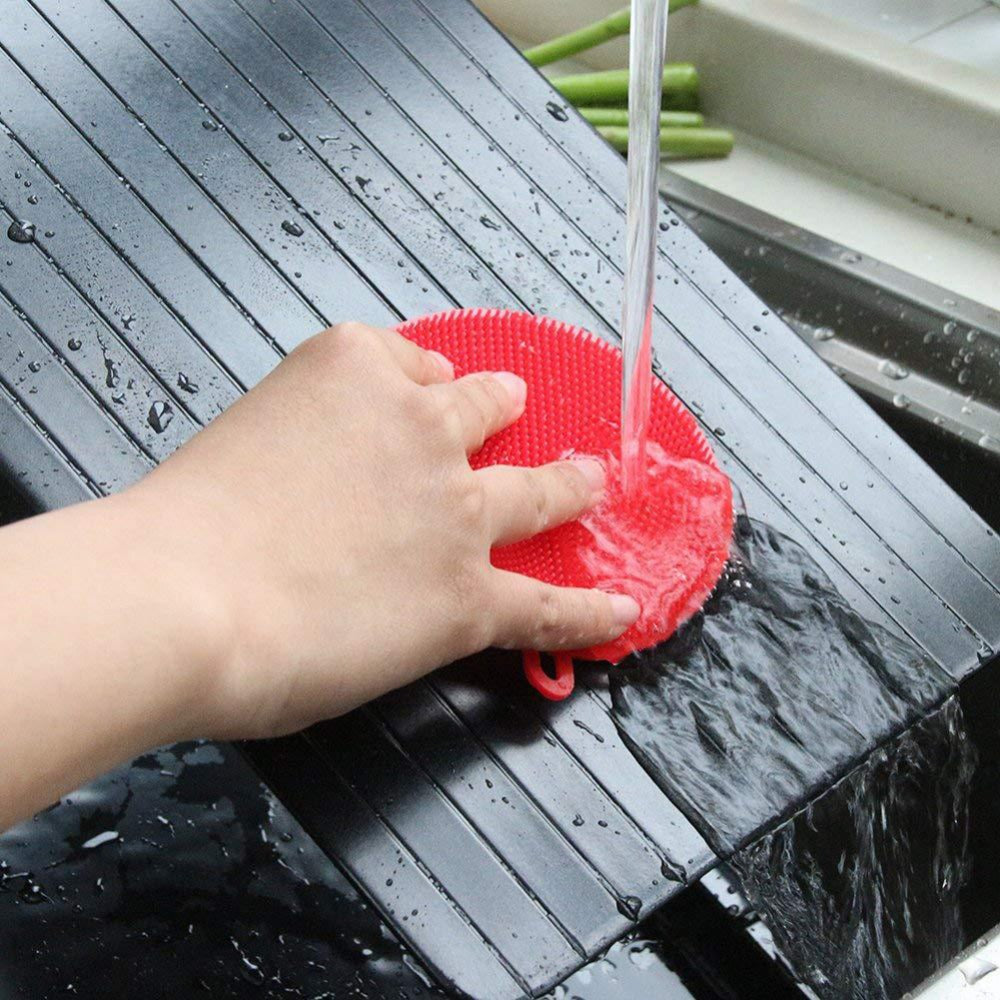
x=666 y=544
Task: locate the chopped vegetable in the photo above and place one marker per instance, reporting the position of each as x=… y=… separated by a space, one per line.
x=586 y=38
x=690 y=142
x=619 y=116
x=680 y=87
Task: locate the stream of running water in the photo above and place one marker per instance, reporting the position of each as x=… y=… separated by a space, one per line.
x=647 y=40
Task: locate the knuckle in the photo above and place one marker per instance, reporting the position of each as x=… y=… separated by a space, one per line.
x=429 y=366
x=472 y=502
x=320 y=346
x=573 y=484
x=449 y=417
x=549 y=618
x=353 y=330
x=478 y=395
x=494 y=395
x=538 y=498
x=474 y=624
x=335 y=344
x=420 y=408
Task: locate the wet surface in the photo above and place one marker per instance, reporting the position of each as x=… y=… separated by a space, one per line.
x=861 y=889
x=762 y=698
x=181 y=876
x=768 y=694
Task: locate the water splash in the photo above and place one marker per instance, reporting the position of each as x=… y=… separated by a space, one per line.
x=774 y=691
x=861 y=889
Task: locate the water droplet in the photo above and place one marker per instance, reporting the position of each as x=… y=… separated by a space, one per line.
x=32 y=894
x=32 y=199
x=292 y=228
x=74 y=343
x=160 y=415
x=209 y=126
x=892 y=369
x=287 y=136
x=557 y=111
x=21 y=231
x=583 y=725
x=900 y=401
x=989 y=442
x=35 y=366
x=489 y=223
x=673 y=871
x=101 y=838
x=186 y=384
x=127 y=320
x=965 y=376
x=950 y=327
x=250 y=970
x=823 y=333
x=577 y=820
x=110 y=373
x=630 y=907
x=850 y=257
x=975 y=968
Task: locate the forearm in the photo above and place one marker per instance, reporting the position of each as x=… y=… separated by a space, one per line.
x=105 y=646
x=323 y=541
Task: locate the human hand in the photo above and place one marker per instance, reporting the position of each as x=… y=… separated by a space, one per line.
x=339 y=541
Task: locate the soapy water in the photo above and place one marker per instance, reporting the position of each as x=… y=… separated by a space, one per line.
x=762 y=703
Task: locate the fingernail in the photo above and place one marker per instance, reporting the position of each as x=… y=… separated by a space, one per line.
x=448 y=367
x=624 y=609
x=593 y=471
x=516 y=387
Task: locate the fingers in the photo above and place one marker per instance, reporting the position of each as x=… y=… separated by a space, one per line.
x=424 y=367
x=523 y=502
x=484 y=403
x=534 y=615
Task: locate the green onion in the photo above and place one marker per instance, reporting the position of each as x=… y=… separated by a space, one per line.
x=680 y=87
x=586 y=38
x=678 y=141
x=619 y=116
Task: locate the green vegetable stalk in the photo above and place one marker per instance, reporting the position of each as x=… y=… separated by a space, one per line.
x=692 y=142
x=680 y=87
x=619 y=117
x=586 y=38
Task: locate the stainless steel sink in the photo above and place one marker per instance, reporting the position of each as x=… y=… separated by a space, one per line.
x=927 y=359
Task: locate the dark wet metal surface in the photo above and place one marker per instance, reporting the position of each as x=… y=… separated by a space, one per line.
x=182 y=876
x=208 y=184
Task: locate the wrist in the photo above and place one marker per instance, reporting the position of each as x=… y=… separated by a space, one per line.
x=170 y=582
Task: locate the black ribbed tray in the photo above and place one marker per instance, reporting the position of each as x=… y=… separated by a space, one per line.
x=163 y=152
